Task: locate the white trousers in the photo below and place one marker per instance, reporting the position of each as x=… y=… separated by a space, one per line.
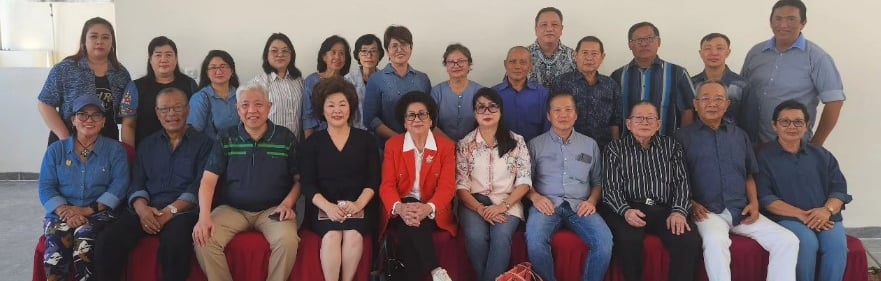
x=778 y=241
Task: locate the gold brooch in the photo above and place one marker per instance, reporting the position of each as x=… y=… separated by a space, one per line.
x=429 y=159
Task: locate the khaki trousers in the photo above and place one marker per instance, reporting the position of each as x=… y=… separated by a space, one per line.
x=228 y=221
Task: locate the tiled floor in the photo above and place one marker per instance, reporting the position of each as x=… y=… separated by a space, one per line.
x=21 y=217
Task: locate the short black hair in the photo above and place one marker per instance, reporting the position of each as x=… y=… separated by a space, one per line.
x=559 y=94
x=328 y=43
x=333 y=85
x=548 y=9
x=798 y=4
x=457 y=47
x=368 y=39
x=292 y=67
x=790 y=104
x=223 y=55
x=639 y=25
x=151 y=47
x=715 y=35
x=590 y=38
x=416 y=97
x=399 y=33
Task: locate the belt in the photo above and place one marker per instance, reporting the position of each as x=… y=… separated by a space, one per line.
x=646 y=201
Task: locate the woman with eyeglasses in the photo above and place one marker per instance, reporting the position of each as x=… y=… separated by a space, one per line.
x=334 y=60
x=454 y=97
x=284 y=82
x=138 y=104
x=82 y=179
x=418 y=185
x=386 y=87
x=93 y=70
x=213 y=107
x=493 y=172
x=368 y=52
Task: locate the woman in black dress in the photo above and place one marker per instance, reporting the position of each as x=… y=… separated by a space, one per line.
x=340 y=173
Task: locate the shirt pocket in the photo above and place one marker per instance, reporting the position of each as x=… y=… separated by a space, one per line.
x=578 y=167
x=182 y=169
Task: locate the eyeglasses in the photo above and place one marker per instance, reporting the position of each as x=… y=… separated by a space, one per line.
x=176 y=108
x=221 y=67
x=462 y=62
x=644 y=40
x=399 y=47
x=708 y=100
x=366 y=52
x=492 y=108
x=84 y=116
x=422 y=115
x=280 y=53
x=798 y=123
x=643 y=119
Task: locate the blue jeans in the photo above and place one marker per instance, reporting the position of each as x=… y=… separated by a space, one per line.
x=482 y=238
x=591 y=229
x=831 y=245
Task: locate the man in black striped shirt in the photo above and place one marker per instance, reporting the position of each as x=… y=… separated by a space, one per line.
x=645 y=189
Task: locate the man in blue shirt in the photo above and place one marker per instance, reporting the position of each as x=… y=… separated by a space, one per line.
x=567 y=176
x=714 y=51
x=258 y=162
x=165 y=180
x=722 y=166
x=527 y=99
x=649 y=78
x=597 y=97
x=802 y=188
x=788 y=66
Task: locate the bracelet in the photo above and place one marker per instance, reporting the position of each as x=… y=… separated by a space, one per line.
x=507 y=206
x=831 y=211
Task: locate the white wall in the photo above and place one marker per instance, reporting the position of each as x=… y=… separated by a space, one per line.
x=490 y=27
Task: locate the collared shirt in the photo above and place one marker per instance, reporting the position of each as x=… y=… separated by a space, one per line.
x=804 y=72
x=258 y=174
x=666 y=85
x=598 y=106
x=565 y=171
x=546 y=70
x=66 y=180
x=805 y=179
x=527 y=109
x=70 y=79
x=356 y=77
x=480 y=169
x=719 y=163
x=634 y=173
x=455 y=112
x=139 y=100
x=210 y=113
x=384 y=89
x=286 y=95
x=430 y=144
x=736 y=87
x=162 y=175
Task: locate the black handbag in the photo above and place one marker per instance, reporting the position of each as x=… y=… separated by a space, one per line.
x=386 y=265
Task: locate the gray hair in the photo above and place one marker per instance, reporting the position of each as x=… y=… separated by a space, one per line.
x=252 y=86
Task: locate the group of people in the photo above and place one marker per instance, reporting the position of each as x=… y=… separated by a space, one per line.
x=648 y=149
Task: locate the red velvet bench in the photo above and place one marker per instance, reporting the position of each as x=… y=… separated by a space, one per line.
x=247 y=255
x=749 y=260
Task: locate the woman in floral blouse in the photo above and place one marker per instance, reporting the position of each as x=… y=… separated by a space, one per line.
x=492 y=175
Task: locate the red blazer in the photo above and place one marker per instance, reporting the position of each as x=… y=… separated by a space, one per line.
x=437 y=180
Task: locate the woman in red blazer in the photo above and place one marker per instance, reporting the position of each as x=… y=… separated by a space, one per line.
x=418 y=184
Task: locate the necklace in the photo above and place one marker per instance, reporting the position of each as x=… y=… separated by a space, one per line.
x=86 y=151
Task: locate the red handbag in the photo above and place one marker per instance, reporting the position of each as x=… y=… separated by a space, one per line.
x=520 y=272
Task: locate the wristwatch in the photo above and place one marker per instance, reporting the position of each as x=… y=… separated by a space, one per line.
x=172 y=209
x=94 y=207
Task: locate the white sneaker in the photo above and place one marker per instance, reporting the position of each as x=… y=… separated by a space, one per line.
x=440 y=274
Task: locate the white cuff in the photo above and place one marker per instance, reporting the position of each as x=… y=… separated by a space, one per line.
x=433 y=211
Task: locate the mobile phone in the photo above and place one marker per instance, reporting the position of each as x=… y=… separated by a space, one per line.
x=275 y=216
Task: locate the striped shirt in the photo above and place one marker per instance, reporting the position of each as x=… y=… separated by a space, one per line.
x=286 y=95
x=666 y=85
x=634 y=173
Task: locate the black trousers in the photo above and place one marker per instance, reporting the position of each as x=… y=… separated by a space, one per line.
x=684 y=249
x=118 y=240
x=415 y=246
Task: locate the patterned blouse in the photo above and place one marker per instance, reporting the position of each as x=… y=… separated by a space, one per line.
x=480 y=169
